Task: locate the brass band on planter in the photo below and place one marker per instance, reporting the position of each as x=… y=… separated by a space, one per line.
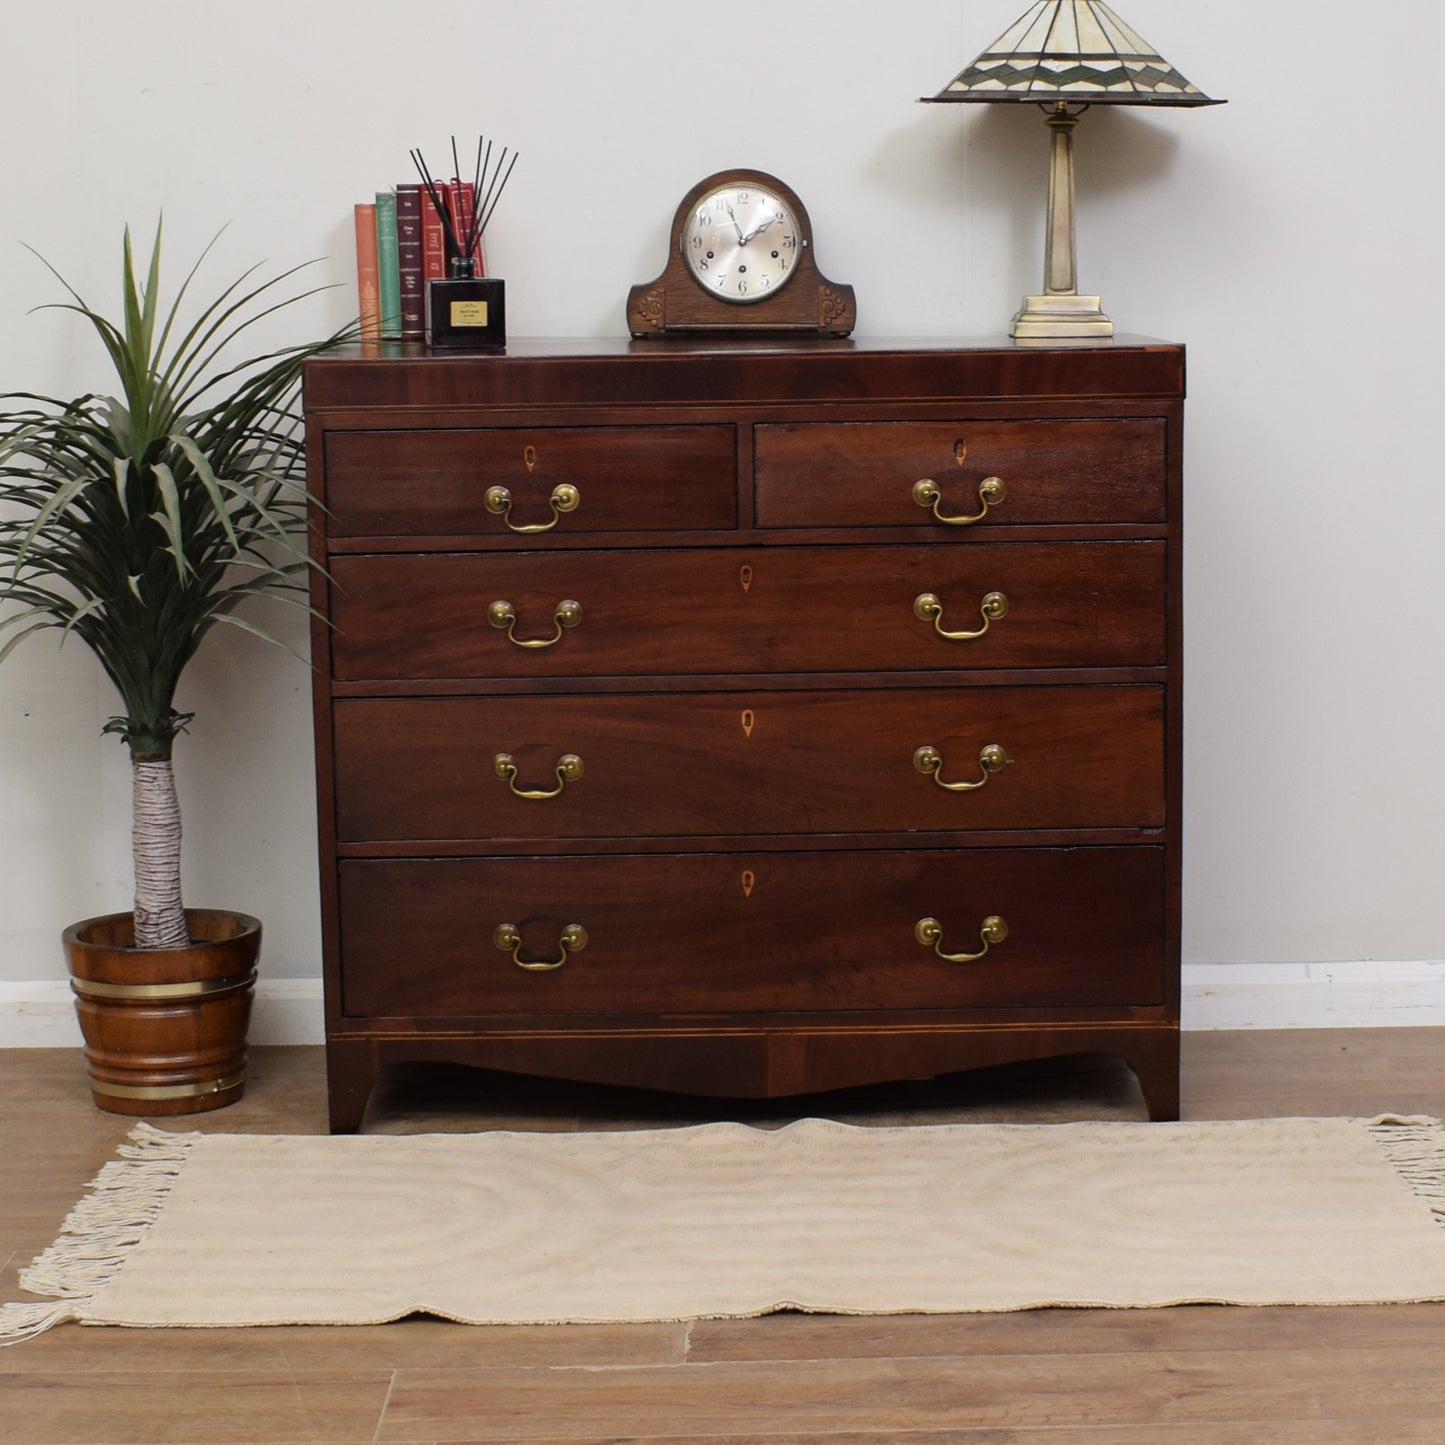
x=170 y=1091
x=929 y=932
x=198 y=988
x=567 y=613
x=991 y=491
x=565 y=498
x=927 y=608
x=929 y=761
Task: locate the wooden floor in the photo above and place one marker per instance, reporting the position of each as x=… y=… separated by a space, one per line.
x=1056 y=1377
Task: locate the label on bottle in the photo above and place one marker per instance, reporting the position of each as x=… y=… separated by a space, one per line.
x=469 y=313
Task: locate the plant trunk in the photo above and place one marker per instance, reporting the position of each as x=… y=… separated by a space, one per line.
x=160 y=921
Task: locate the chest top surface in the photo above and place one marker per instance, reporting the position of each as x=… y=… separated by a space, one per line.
x=682 y=371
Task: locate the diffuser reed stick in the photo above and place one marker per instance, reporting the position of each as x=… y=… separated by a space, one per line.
x=488 y=183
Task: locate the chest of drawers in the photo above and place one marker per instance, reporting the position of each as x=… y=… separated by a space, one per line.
x=748 y=718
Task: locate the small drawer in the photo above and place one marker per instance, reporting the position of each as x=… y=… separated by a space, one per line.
x=443 y=483
x=866 y=474
x=742 y=933
x=416 y=771
x=767 y=609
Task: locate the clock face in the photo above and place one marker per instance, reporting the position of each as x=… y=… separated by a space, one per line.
x=741 y=243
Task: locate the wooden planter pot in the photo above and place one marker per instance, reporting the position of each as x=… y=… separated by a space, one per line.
x=165 y=1028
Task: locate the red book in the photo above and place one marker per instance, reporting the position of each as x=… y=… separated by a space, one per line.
x=409 y=261
x=368 y=275
x=433 y=236
x=461 y=200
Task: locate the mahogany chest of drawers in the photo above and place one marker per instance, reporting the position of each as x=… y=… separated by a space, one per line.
x=748 y=718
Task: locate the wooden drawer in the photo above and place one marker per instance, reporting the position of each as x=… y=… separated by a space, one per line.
x=729 y=933
x=862 y=474
x=702 y=764
x=766 y=609
x=627 y=479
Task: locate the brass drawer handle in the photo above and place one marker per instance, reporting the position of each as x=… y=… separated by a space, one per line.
x=929 y=932
x=569 y=769
x=508 y=938
x=504 y=615
x=565 y=498
x=991 y=491
x=929 y=761
x=927 y=608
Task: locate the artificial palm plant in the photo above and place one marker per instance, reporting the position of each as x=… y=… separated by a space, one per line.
x=138 y=521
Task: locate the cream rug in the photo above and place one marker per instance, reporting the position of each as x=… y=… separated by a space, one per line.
x=725 y=1220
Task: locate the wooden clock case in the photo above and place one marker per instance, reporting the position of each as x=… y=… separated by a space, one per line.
x=674 y=303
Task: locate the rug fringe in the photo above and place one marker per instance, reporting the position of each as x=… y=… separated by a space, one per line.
x=1415 y=1145
x=98 y=1235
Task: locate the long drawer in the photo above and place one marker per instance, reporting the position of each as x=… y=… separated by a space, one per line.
x=767 y=609
x=738 y=763
x=435 y=483
x=719 y=933
x=864 y=474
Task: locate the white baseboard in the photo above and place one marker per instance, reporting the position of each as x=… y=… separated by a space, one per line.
x=41 y=1014
x=1372 y=994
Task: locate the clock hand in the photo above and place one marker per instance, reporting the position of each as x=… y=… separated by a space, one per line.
x=757 y=230
x=742 y=239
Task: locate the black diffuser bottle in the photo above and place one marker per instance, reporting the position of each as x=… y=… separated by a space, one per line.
x=464 y=311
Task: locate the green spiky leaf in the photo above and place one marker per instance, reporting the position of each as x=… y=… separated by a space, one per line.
x=138 y=521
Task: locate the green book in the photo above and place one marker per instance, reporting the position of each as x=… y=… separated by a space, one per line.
x=388 y=264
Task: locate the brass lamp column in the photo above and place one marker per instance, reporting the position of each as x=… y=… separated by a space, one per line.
x=1067 y=55
x=1060 y=310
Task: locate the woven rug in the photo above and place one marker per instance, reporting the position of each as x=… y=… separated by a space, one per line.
x=725 y=1220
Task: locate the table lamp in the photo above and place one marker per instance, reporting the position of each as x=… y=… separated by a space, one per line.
x=1067 y=55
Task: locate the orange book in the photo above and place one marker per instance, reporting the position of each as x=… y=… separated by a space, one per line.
x=368 y=272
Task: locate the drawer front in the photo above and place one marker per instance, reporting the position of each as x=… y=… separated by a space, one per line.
x=624 y=479
x=863 y=474
x=710 y=764
x=714 y=933
x=772 y=609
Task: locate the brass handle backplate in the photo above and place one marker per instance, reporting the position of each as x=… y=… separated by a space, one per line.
x=929 y=761
x=567 y=613
x=926 y=494
x=929 y=932
x=508 y=938
x=569 y=769
x=565 y=498
x=927 y=608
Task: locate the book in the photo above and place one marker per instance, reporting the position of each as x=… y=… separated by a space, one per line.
x=461 y=201
x=409 y=202
x=388 y=274
x=368 y=282
x=433 y=238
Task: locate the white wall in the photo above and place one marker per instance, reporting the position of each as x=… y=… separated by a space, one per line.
x=1291 y=242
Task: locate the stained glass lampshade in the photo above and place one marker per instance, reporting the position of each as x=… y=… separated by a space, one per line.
x=1067 y=55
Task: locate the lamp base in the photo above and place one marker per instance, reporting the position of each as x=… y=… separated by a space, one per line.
x=1064 y=315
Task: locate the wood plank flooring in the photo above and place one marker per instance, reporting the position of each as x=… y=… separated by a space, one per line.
x=1055 y=1377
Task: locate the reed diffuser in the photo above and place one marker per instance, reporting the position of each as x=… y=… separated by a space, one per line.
x=465 y=311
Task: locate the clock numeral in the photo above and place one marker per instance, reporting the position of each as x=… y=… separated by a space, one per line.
x=744 y=197
x=764 y=282
x=782 y=263
x=722 y=280
x=742 y=288
x=702 y=263
x=704 y=218
x=697 y=243
x=790 y=241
